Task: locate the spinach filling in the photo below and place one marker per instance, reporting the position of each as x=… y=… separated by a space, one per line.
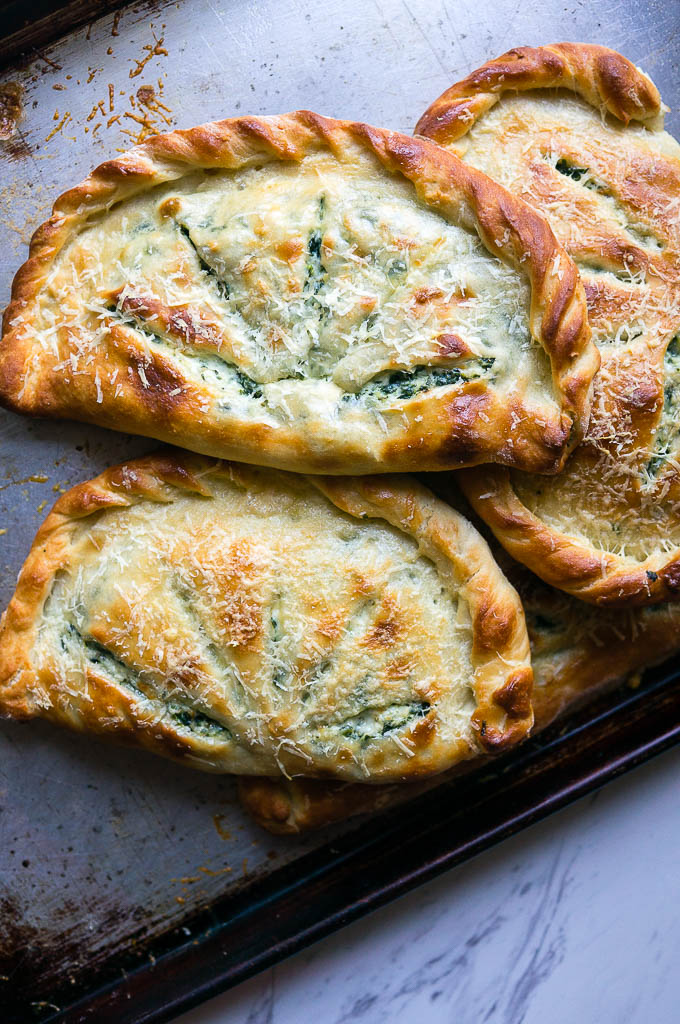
x=584 y=176
x=247 y=385
x=316 y=274
x=594 y=267
x=570 y=170
x=207 y=268
x=280 y=672
x=668 y=430
x=123 y=675
x=371 y=725
x=579 y=174
x=399 y=384
x=217 y=372
x=397 y=269
x=213 y=367
x=541 y=623
x=113 y=666
x=403 y=384
x=196 y=721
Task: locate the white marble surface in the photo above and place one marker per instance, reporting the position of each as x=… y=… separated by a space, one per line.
x=573 y=920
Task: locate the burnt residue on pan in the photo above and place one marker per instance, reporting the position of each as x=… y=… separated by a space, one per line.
x=11 y=109
x=49 y=967
x=12 y=141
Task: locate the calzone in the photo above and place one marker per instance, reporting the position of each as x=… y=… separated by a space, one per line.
x=308 y=294
x=577 y=131
x=255 y=621
x=577 y=651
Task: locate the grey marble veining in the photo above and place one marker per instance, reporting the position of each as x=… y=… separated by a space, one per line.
x=573 y=920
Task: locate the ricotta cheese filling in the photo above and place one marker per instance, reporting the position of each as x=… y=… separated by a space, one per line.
x=260 y=619
x=285 y=291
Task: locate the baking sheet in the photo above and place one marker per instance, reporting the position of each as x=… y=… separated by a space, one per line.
x=102 y=848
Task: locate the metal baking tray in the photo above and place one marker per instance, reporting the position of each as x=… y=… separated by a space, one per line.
x=131 y=889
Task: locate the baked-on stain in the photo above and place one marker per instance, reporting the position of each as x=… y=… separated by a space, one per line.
x=218 y=820
x=11 y=109
x=146 y=95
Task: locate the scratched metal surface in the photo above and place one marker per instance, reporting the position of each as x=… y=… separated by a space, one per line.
x=100 y=846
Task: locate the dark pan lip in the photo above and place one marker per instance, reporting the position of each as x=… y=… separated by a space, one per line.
x=356 y=873
x=24 y=28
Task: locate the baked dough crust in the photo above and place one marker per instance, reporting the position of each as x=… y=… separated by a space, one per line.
x=577 y=652
x=580 y=130
x=254 y=621
x=605 y=79
x=304 y=293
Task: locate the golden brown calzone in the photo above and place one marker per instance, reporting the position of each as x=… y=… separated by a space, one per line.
x=577 y=651
x=305 y=293
x=253 y=621
x=577 y=131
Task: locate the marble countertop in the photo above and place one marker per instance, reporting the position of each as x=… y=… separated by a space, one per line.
x=574 y=919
